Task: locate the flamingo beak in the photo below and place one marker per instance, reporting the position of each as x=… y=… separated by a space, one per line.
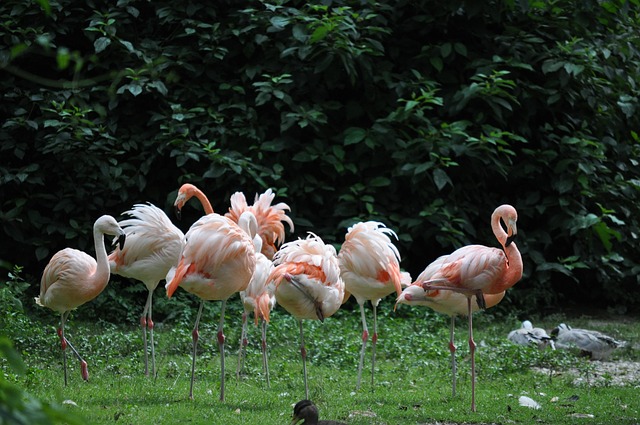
x=120 y=240
x=178 y=212
x=512 y=233
x=319 y=312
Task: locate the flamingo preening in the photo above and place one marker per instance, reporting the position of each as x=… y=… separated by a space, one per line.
x=446 y=302
x=72 y=278
x=476 y=270
x=308 y=284
x=370 y=269
x=153 y=247
x=217 y=260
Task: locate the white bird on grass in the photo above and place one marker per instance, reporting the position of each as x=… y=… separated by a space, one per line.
x=527 y=335
x=594 y=344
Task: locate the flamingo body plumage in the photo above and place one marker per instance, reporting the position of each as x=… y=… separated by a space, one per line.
x=270 y=219
x=72 y=278
x=370 y=268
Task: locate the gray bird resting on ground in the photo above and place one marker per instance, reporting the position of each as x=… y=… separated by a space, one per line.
x=528 y=335
x=596 y=345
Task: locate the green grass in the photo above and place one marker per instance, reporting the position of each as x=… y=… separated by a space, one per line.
x=412 y=384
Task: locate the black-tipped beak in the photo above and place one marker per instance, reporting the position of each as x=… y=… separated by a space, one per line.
x=178 y=212
x=319 y=312
x=121 y=239
x=510 y=239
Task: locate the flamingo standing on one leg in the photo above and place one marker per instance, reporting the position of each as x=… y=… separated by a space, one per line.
x=153 y=247
x=447 y=302
x=370 y=269
x=217 y=260
x=72 y=278
x=308 y=284
x=475 y=270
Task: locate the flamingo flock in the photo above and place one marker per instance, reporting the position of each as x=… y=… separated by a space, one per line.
x=244 y=251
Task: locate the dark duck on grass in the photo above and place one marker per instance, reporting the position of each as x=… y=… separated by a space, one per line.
x=306 y=411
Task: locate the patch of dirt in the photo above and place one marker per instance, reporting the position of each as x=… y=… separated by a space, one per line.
x=617 y=373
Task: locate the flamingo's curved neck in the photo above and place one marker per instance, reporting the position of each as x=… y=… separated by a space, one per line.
x=498 y=230
x=513 y=273
x=208 y=209
x=101 y=276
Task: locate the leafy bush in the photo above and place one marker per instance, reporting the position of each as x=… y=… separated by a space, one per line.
x=422 y=115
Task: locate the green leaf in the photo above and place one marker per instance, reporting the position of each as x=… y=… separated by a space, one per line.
x=441 y=179
x=101 y=43
x=353 y=135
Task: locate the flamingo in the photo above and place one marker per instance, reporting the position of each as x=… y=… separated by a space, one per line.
x=475 y=270
x=370 y=269
x=153 y=247
x=527 y=335
x=270 y=219
x=306 y=411
x=186 y=192
x=594 y=344
x=259 y=297
x=446 y=302
x=270 y=233
x=308 y=284
x=217 y=260
x=72 y=278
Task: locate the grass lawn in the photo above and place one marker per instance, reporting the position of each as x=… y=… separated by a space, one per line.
x=412 y=380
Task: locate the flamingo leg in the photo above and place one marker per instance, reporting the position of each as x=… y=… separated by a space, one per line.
x=374 y=339
x=221 y=348
x=195 y=335
x=146 y=322
x=66 y=343
x=63 y=345
x=243 y=344
x=452 y=349
x=150 y=327
x=472 y=350
x=265 y=360
x=365 y=337
x=303 y=353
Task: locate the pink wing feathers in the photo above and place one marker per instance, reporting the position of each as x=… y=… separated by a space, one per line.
x=307 y=278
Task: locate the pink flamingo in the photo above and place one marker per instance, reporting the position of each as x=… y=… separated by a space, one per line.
x=72 y=278
x=370 y=269
x=186 y=192
x=259 y=297
x=270 y=229
x=270 y=218
x=308 y=284
x=217 y=260
x=446 y=302
x=478 y=270
x=153 y=247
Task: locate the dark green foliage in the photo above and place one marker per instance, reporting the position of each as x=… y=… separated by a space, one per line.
x=423 y=115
